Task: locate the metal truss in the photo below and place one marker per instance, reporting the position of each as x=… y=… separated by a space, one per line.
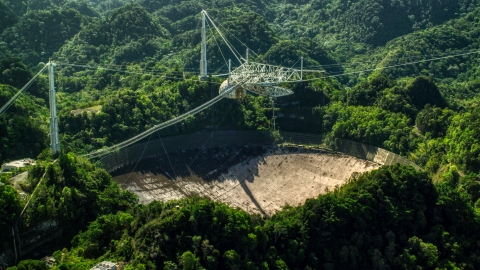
x=263 y=79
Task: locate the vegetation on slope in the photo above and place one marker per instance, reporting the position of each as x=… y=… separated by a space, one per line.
x=73 y=193
x=23 y=126
x=147 y=57
x=394 y=217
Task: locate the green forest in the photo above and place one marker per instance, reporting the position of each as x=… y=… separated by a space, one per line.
x=400 y=75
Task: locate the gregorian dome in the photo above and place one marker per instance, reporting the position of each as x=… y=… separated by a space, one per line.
x=237 y=93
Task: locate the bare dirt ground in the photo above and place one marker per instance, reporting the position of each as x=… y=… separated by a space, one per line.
x=255 y=179
x=17 y=179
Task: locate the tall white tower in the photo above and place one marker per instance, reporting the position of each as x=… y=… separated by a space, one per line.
x=54 y=141
x=203 y=56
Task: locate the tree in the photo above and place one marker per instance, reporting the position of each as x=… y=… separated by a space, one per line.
x=433 y=120
x=7 y=17
x=232 y=260
x=10 y=207
x=28 y=38
x=32 y=265
x=188 y=261
x=14 y=72
x=463 y=145
x=366 y=92
x=396 y=99
x=423 y=91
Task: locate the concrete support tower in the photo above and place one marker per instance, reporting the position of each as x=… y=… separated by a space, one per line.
x=54 y=141
x=203 y=56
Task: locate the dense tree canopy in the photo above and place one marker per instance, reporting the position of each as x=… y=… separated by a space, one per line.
x=38 y=34
x=22 y=127
x=7 y=17
x=394 y=217
x=401 y=75
x=10 y=207
x=72 y=193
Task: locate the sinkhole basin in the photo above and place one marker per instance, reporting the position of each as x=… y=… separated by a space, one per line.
x=257 y=179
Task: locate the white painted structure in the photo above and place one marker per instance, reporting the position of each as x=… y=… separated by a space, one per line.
x=105 y=266
x=16 y=164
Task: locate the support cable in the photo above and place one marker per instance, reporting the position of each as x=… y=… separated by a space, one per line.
x=155 y=74
x=33 y=193
x=206 y=141
x=220 y=68
x=110 y=69
x=347 y=64
x=140 y=158
x=168 y=157
x=153 y=129
x=305 y=70
x=123 y=68
x=230 y=46
x=394 y=66
x=119 y=68
x=220 y=49
x=234 y=51
x=14 y=245
x=236 y=38
x=295 y=63
x=29 y=83
x=138 y=137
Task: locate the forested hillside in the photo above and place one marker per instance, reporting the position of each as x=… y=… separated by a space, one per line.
x=394 y=217
x=401 y=75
